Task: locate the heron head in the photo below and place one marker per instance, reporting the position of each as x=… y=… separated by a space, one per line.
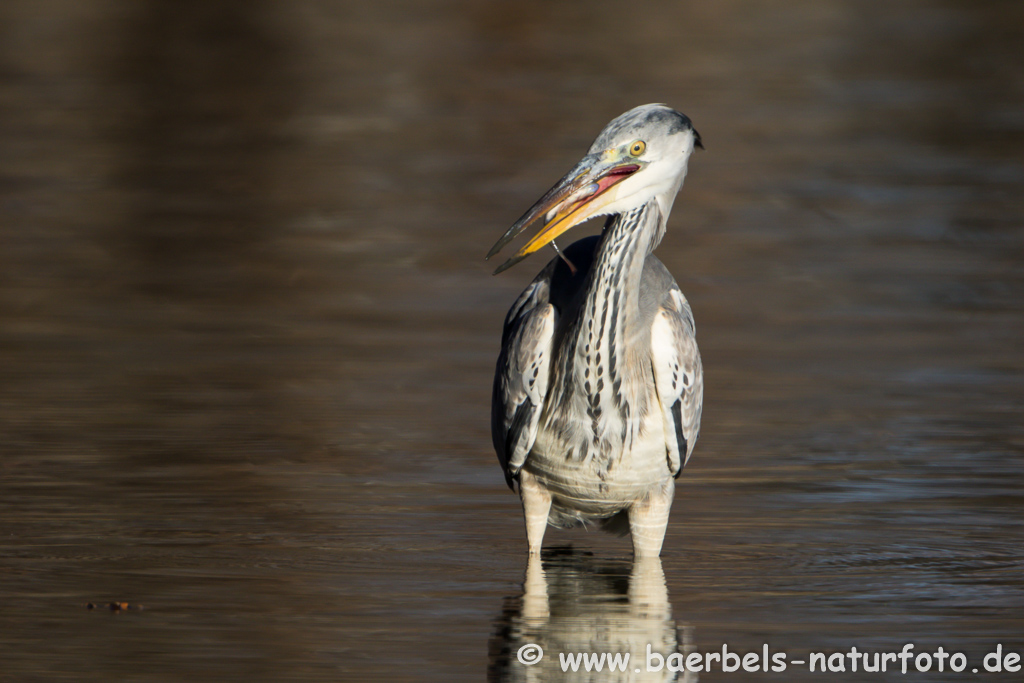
x=639 y=156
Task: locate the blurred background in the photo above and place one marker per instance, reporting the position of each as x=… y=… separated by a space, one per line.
x=247 y=334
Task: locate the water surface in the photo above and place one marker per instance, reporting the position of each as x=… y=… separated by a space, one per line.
x=247 y=334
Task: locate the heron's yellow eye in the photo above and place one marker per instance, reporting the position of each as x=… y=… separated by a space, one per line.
x=637 y=148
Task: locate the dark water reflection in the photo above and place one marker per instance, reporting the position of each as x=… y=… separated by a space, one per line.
x=575 y=603
x=246 y=334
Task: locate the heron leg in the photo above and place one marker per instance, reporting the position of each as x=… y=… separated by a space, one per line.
x=536 y=506
x=648 y=519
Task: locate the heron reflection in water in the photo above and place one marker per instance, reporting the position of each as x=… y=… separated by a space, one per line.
x=571 y=605
x=599 y=385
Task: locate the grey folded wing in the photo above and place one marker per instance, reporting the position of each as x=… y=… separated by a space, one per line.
x=678 y=377
x=521 y=377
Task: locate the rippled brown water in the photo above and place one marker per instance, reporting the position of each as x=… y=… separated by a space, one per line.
x=247 y=335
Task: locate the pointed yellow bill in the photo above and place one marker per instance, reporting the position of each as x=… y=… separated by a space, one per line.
x=573 y=200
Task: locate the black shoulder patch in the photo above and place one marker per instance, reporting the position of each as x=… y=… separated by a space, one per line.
x=519 y=422
x=677 y=418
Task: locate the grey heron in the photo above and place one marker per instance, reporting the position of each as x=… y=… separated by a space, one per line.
x=599 y=385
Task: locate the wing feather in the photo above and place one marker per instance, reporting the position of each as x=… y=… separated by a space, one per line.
x=521 y=377
x=678 y=377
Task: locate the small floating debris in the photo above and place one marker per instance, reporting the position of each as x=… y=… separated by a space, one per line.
x=115 y=606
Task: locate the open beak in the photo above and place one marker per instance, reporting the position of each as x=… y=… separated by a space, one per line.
x=580 y=195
